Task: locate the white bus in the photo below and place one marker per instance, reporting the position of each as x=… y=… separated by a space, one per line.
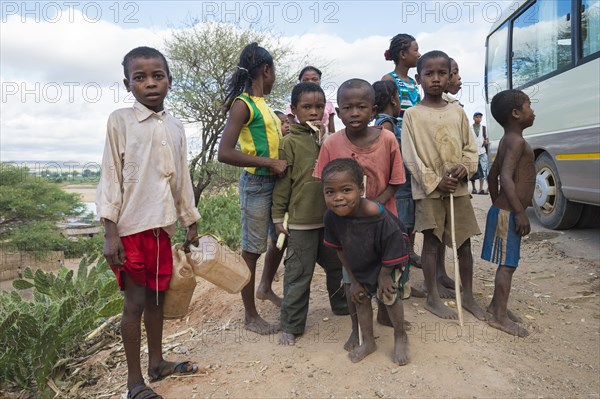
x=551 y=51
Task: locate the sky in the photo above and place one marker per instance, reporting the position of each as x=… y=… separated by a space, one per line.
x=60 y=62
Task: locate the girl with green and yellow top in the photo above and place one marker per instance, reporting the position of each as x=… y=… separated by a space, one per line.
x=258 y=129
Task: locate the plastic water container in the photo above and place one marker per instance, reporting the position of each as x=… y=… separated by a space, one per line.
x=218 y=264
x=181 y=287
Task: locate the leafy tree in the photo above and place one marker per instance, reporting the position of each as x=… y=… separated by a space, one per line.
x=202 y=59
x=26 y=200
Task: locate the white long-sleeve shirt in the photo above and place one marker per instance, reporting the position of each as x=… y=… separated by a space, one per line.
x=145 y=182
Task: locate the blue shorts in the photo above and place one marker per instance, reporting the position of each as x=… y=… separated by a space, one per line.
x=406 y=211
x=256 y=198
x=483 y=161
x=501 y=243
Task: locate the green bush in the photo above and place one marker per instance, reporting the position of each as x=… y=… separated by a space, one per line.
x=220 y=217
x=38 y=337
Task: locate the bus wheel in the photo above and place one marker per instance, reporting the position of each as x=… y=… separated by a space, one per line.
x=551 y=207
x=590 y=217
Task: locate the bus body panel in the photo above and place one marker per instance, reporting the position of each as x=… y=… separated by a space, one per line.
x=574 y=135
x=566 y=133
x=575 y=154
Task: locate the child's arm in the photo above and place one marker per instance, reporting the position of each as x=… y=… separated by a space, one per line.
x=426 y=177
x=109 y=197
x=385 y=282
x=470 y=154
x=396 y=172
x=357 y=291
x=187 y=211
x=388 y=193
x=113 y=250
x=331 y=124
x=238 y=116
x=492 y=180
x=513 y=152
x=283 y=188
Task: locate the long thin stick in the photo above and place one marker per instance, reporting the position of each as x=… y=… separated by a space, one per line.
x=456 y=268
x=360 y=337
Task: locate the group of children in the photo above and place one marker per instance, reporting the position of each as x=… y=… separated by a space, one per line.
x=349 y=200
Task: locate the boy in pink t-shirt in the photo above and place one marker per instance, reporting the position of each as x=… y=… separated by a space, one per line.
x=375 y=149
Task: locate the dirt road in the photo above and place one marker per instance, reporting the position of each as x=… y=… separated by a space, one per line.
x=555 y=289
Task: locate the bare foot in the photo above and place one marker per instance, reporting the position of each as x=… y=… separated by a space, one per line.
x=260 y=326
x=401 y=350
x=445 y=281
x=513 y=316
x=362 y=351
x=445 y=292
x=418 y=293
x=287 y=339
x=352 y=341
x=383 y=317
x=264 y=295
x=436 y=307
x=508 y=326
x=474 y=308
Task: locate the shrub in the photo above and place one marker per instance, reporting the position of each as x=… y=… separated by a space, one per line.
x=220 y=217
x=38 y=337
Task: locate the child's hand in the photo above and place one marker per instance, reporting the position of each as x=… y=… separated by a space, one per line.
x=113 y=251
x=280 y=229
x=385 y=283
x=191 y=235
x=458 y=171
x=358 y=293
x=448 y=184
x=278 y=167
x=522 y=226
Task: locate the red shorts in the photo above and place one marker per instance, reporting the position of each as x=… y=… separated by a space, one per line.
x=141 y=253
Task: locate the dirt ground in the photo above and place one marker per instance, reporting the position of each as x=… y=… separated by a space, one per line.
x=555 y=293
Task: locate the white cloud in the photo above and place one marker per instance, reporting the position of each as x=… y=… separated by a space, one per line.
x=61 y=80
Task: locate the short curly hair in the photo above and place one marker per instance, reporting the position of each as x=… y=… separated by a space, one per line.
x=504 y=102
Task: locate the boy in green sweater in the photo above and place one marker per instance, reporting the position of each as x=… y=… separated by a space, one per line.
x=301 y=196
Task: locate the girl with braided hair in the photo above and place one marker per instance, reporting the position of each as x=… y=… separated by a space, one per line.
x=258 y=130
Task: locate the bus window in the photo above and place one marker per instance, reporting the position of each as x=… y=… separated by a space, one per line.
x=497 y=65
x=590 y=27
x=541 y=41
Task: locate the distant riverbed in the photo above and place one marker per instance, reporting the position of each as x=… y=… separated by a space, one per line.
x=86 y=192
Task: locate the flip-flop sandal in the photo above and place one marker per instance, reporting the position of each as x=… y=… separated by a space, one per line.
x=142 y=391
x=175 y=368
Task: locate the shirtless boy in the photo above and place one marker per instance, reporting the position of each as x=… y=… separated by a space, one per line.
x=506 y=221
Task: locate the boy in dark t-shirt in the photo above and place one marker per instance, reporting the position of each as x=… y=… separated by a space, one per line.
x=373 y=247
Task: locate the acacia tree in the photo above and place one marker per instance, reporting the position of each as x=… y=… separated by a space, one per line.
x=202 y=59
x=30 y=206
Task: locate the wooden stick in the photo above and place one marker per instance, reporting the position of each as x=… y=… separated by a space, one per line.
x=456 y=267
x=281 y=238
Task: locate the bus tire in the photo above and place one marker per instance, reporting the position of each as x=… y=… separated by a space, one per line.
x=551 y=207
x=590 y=217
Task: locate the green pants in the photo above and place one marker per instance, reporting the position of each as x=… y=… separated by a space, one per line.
x=305 y=248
